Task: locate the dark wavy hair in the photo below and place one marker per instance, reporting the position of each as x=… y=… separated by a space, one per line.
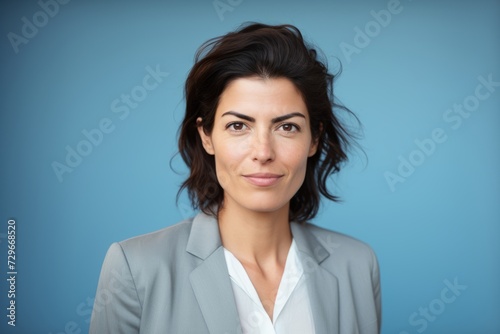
x=269 y=52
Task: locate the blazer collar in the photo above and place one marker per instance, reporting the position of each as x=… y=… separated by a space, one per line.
x=322 y=285
x=210 y=280
x=204 y=238
x=212 y=285
x=307 y=243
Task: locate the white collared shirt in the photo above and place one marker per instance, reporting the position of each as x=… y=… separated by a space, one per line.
x=292 y=311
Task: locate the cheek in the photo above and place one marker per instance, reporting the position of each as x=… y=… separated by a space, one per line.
x=295 y=156
x=228 y=157
x=300 y=167
x=297 y=167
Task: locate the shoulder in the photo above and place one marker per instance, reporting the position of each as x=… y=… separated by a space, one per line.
x=354 y=265
x=169 y=240
x=337 y=240
x=151 y=258
x=341 y=248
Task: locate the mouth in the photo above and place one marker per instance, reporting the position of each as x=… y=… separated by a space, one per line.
x=263 y=179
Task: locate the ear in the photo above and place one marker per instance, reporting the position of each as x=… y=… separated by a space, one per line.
x=314 y=147
x=206 y=140
x=314 y=143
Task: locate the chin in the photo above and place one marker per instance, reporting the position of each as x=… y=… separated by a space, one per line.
x=265 y=205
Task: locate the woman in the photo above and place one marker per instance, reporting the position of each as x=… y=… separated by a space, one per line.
x=260 y=139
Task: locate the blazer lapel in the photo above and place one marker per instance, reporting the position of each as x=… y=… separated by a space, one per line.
x=322 y=285
x=210 y=280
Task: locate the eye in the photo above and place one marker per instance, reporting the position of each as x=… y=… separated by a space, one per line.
x=289 y=127
x=236 y=126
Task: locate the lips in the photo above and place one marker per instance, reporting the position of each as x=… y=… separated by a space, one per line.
x=262 y=179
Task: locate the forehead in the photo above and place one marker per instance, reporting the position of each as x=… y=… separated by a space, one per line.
x=261 y=96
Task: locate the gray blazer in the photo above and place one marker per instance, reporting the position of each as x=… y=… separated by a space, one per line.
x=176 y=281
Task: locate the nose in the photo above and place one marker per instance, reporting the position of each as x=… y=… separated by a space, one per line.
x=263 y=149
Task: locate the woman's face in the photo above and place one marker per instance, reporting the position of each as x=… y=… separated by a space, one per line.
x=261 y=140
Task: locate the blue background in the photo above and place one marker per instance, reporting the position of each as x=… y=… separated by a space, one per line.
x=442 y=223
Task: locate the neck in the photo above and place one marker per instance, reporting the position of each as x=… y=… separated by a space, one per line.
x=256 y=237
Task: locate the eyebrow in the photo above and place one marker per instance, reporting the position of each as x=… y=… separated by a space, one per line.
x=274 y=120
